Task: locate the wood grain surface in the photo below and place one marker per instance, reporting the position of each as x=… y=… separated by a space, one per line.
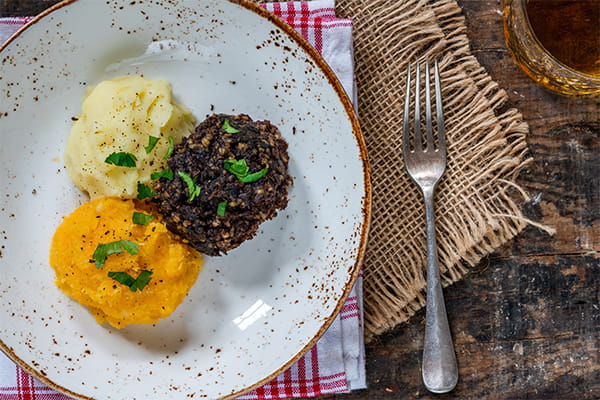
x=526 y=321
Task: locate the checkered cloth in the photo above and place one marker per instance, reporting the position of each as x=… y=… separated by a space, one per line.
x=336 y=364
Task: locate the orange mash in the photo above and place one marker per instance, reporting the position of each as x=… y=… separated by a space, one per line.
x=170 y=265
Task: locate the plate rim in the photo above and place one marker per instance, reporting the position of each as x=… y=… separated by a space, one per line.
x=366 y=200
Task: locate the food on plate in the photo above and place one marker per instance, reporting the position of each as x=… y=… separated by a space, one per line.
x=118 y=259
x=161 y=193
x=224 y=181
x=127 y=127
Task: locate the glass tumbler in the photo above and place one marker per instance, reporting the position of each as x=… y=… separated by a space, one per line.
x=556 y=42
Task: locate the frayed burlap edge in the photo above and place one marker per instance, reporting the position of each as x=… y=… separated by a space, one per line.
x=475 y=208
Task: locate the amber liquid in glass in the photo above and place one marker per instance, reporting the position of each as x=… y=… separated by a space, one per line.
x=569 y=30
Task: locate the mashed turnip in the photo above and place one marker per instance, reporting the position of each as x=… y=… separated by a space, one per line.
x=171 y=266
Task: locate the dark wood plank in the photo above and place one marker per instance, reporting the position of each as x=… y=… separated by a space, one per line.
x=524 y=328
x=526 y=321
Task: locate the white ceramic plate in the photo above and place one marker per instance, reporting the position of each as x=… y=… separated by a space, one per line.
x=251 y=313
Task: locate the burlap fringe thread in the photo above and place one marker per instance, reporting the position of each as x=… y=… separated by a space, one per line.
x=486 y=150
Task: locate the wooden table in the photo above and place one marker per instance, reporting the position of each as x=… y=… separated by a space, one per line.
x=526 y=321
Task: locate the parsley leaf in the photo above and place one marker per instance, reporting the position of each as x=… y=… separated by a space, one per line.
x=121 y=159
x=144 y=191
x=152 y=140
x=254 y=176
x=138 y=283
x=221 y=208
x=228 y=128
x=237 y=167
x=141 y=281
x=240 y=169
x=122 y=277
x=167 y=173
x=171 y=148
x=141 y=218
x=193 y=189
x=104 y=250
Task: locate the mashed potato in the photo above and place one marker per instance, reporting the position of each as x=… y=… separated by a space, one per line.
x=174 y=265
x=121 y=116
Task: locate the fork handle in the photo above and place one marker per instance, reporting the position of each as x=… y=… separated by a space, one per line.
x=439 y=370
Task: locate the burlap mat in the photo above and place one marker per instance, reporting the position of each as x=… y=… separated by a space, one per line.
x=476 y=207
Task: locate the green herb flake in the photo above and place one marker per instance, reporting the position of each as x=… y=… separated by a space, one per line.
x=121 y=159
x=167 y=173
x=254 y=177
x=144 y=191
x=240 y=169
x=228 y=128
x=104 y=250
x=122 y=277
x=152 y=140
x=138 y=283
x=221 y=207
x=237 y=167
x=141 y=218
x=171 y=147
x=142 y=280
x=193 y=189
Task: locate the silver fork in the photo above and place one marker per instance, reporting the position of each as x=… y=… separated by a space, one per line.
x=426 y=164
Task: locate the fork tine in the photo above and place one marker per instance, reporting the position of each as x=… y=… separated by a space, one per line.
x=440 y=111
x=406 y=123
x=417 y=128
x=429 y=130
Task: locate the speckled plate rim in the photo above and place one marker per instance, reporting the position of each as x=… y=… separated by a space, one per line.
x=366 y=201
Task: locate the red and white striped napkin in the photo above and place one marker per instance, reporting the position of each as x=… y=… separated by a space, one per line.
x=336 y=364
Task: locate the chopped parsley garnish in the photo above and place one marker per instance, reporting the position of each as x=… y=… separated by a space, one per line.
x=141 y=218
x=104 y=250
x=171 y=148
x=221 y=208
x=121 y=159
x=152 y=140
x=142 y=280
x=167 y=173
x=144 y=191
x=254 y=176
x=237 y=167
x=228 y=128
x=133 y=284
x=240 y=169
x=122 y=277
x=193 y=189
